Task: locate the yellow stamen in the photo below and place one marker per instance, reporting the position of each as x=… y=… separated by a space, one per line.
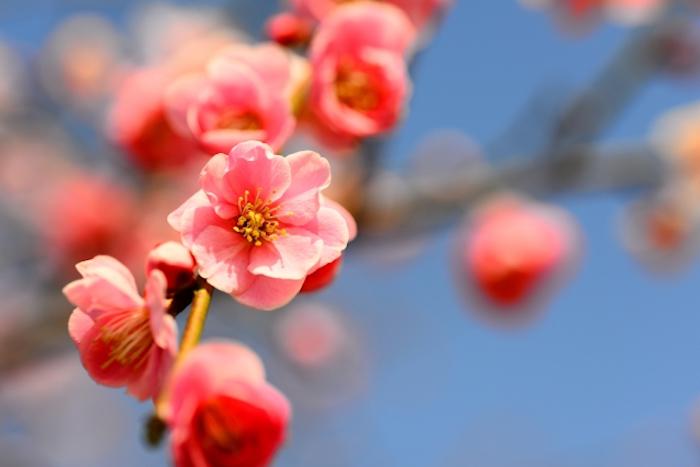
x=237 y=121
x=356 y=89
x=257 y=221
x=129 y=336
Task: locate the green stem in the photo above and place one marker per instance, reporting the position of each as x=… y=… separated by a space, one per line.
x=195 y=321
x=155 y=428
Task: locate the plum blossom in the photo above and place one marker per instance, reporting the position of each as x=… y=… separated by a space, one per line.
x=72 y=231
x=245 y=94
x=137 y=119
x=222 y=411
x=360 y=82
x=514 y=248
x=124 y=339
x=137 y=122
x=676 y=136
x=259 y=225
x=661 y=230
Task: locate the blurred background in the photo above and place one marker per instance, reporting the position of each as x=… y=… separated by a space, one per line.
x=394 y=364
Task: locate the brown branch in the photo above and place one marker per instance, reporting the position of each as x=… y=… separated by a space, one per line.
x=407 y=204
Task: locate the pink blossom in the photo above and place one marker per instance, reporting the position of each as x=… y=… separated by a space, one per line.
x=419 y=11
x=662 y=230
x=175 y=262
x=242 y=96
x=123 y=339
x=76 y=230
x=514 y=248
x=259 y=224
x=311 y=334
x=222 y=411
x=138 y=124
x=360 y=83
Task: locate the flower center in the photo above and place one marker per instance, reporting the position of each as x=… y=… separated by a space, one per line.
x=257 y=221
x=219 y=430
x=129 y=337
x=356 y=89
x=247 y=121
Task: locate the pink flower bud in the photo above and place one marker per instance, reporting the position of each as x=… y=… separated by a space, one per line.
x=242 y=96
x=222 y=411
x=123 y=339
x=514 y=248
x=175 y=262
x=289 y=29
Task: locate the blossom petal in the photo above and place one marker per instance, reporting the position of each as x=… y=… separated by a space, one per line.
x=267 y=293
x=193 y=216
x=311 y=174
x=222 y=255
x=95 y=354
x=225 y=139
x=209 y=368
x=362 y=24
x=289 y=256
x=332 y=228
x=106 y=285
x=349 y=220
x=162 y=324
x=256 y=169
x=270 y=61
x=79 y=324
x=214 y=183
x=279 y=122
x=179 y=98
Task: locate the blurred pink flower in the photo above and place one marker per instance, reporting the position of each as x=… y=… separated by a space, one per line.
x=175 y=262
x=662 y=230
x=242 y=96
x=419 y=11
x=73 y=225
x=359 y=82
x=311 y=335
x=222 y=411
x=138 y=123
x=259 y=224
x=123 y=339
x=514 y=247
x=81 y=61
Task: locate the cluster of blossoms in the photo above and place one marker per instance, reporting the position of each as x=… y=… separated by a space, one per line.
x=352 y=84
x=258 y=227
